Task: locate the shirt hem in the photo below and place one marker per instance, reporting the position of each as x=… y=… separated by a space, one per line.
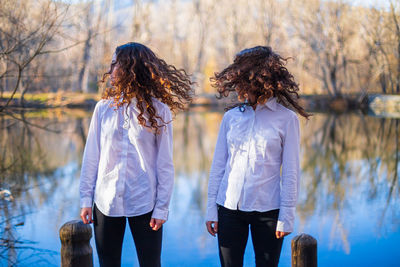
x=251 y=209
x=122 y=215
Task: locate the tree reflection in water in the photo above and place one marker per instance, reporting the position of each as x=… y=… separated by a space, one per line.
x=31 y=151
x=345 y=155
x=342 y=156
x=340 y=153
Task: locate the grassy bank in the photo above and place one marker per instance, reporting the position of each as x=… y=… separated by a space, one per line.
x=51 y=100
x=313 y=103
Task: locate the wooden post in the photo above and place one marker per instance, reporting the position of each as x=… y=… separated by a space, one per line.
x=304 y=251
x=75 y=244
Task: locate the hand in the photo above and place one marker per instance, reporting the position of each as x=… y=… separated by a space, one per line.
x=156 y=224
x=280 y=234
x=212 y=227
x=86 y=215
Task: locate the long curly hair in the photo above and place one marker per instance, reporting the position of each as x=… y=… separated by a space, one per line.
x=143 y=75
x=262 y=73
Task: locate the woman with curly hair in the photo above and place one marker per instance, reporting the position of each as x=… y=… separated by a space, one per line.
x=257 y=138
x=127 y=169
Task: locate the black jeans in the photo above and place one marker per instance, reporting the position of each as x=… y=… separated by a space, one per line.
x=109 y=234
x=233 y=231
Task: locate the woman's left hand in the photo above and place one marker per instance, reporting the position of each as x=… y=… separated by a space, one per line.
x=156 y=224
x=280 y=234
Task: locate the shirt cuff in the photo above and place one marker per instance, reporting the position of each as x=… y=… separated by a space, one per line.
x=286 y=219
x=212 y=213
x=86 y=202
x=160 y=214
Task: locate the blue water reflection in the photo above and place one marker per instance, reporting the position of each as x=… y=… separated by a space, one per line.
x=349 y=197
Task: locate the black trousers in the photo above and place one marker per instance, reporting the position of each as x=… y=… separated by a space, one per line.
x=109 y=234
x=233 y=231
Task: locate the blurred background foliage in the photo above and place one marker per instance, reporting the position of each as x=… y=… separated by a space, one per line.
x=336 y=47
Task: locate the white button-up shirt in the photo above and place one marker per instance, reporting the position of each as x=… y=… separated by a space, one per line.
x=251 y=148
x=127 y=169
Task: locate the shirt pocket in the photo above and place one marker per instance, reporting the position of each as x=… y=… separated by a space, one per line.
x=236 y=143
x=108 y=128
x=268 y=146
x=139 y=134
x=260 y=149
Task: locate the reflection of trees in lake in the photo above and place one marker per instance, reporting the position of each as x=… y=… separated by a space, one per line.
x=345 y=155
x=342 y=156
x=195 y=134
x=339 y=152
x=31 y=151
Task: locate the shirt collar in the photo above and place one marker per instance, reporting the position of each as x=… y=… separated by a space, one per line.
x=271 y=104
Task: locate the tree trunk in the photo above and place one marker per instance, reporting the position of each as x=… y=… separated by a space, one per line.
x=83 y=73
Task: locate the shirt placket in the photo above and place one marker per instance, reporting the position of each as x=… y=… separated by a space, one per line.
x=123 y=163
x=246 y=158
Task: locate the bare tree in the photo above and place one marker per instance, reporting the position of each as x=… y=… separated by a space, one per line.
x=326 y=30
x=338 y=47
x=94 y=14
x=26 y=28
x=395 y=19
x=141 y=21
x=382 y=39
x=267 y=19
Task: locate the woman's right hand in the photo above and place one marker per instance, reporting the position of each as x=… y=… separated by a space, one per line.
x=212 y=227
x=86 y=215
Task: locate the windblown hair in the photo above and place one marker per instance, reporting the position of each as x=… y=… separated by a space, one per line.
x=261 y=72
x=143 y=75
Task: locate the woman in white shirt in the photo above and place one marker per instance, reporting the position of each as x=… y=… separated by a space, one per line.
x=127 y=169
x=257 y=139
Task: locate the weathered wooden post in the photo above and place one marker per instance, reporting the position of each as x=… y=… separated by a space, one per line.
x=304 y=251
x=75 y=244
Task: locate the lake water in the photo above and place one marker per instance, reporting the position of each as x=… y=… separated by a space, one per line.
x=349 y=200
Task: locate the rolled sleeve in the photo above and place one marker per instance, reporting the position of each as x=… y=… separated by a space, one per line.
x=165 y=168
x=290 y=176
x=217 y=172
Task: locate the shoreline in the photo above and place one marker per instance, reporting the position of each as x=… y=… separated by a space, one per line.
x=372 y=104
